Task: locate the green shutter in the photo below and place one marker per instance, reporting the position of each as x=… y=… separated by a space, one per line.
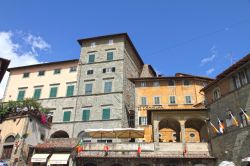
x=91 y=58
x=110 y=56
x=37 y=94
x=106 y=114
x=85 y=115
x=66 y=116
x=21 y=94
x=70 y=90
x=53 y=92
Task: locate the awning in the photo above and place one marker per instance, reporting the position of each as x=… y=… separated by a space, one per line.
x=39 y=158
x=247 y=159
x=59 y=159
x=116 y=133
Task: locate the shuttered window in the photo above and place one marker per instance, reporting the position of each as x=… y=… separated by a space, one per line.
x=110 y=56
x=53 y=92
x=70 y=90
x=21 y=95
x=66 y=116
x=85 y=115
x=91 y=58
x=106 y=114
x=108 y=87
x=37 y=94
x=88 y=89
x=143 y=100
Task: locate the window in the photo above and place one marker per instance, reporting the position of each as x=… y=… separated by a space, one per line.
x=21 y=94
x=88 y=88
x=91 y=58
x=110 y=42
x=243 y=77
x=192 y=135
x=157 y=100
x=70 y=90
x=53 y=91
x=89 y=72
x=143 y=120
x=41 y=73
x=188 y=100
x=37 y=93
x=237 y=83
x=143 y=84
x=106 y=114
x=109 y=56
x=72 y=69
x=186 y=82
x=143 y=100
x=171 y=83
x=26 y=75
x=172 y=100
x=7 y=151
x=85 y=115
x=108 y=87
x=66 y=116
x=108 y=70
x=57 y=71
x=217 y=94
x=156 y=83
x=92 y=45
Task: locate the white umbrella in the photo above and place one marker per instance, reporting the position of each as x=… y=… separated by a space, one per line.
x=226 y=163
x=247 y=159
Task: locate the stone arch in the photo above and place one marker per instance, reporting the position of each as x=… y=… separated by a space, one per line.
x=60 y=134
x=9 y=139
x=196 y=130
x=89 y=164
x=169 y=130
x=85 y=136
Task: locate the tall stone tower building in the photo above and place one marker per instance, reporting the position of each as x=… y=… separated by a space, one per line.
x=105 y=95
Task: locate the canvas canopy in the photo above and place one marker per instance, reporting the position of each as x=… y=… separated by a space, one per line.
x=116 y=133
x=39 y=158
x=59 y=159
x=247 y=159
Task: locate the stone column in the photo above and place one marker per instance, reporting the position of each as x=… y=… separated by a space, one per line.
x=156 y=130
x=182 y=123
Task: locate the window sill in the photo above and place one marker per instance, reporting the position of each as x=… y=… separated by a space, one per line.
x=172 y=104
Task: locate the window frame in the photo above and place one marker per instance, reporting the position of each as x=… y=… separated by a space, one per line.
x=108 y=54
x=155 y=100
x=88 y=92
x=189 y=82
x=57 y=71
x=173 y=84
x=88 y=113
x=26 y=74
x=191 y=100
x=34 y=94
x=146 y=101
x=50 y=93
x=73 y=69
x=217 y=92
x=103 y=113
x=39 y=73
x=67 y=89
x=143 y=84
x=105 y=87
x=65 y=111
x=170 y=103
x=21 y=90
x=143 y=120
x=91 y=60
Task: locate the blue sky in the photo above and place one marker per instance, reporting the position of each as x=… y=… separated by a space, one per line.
x=195 y=37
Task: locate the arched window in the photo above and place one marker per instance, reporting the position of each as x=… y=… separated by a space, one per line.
x=60 y=134
x=8 y=147
x=217 y=94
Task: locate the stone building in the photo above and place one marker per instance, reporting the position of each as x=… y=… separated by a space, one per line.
x=20 y=132
x=226 y=98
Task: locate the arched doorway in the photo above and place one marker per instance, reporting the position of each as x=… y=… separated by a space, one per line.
x=8 y=147
x=60 y=134
x=169 y=130
x=85 y=136
x=196 y=130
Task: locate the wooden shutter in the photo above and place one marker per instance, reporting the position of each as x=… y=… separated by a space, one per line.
x=106 y=114
x=66 y=116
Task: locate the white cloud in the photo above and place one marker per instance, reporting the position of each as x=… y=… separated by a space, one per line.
x=9 y=49
x=210 y=71
x=210 y=58
x=36 y=42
